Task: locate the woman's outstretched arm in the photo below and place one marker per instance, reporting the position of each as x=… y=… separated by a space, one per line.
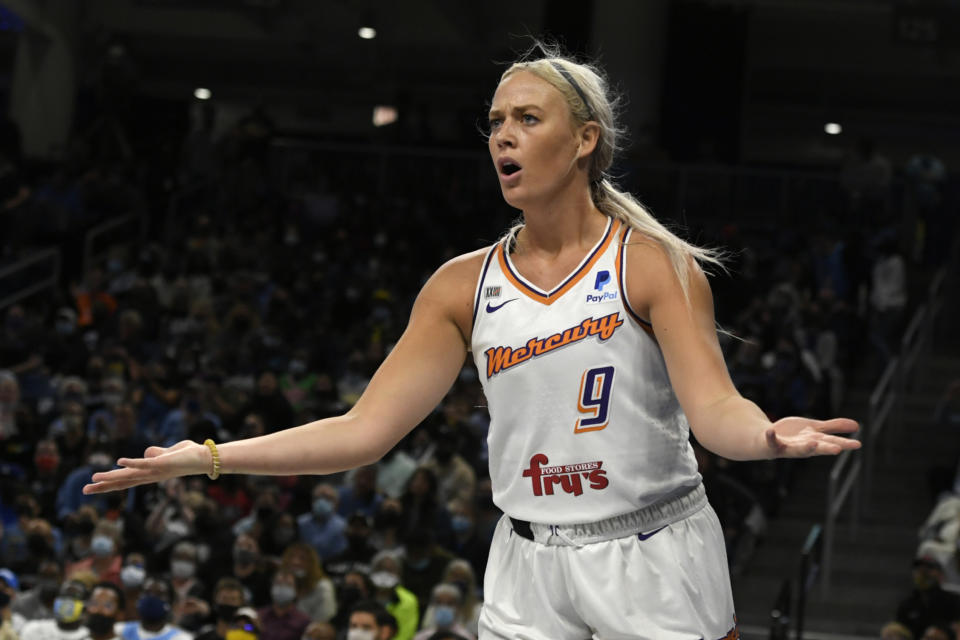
x=408 y=385
x=722 y=420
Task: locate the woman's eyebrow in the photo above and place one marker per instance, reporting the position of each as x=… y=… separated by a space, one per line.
x=521 y=107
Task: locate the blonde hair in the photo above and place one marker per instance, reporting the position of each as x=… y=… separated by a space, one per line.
x=580 y=84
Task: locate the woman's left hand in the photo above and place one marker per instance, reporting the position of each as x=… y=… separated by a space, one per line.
x=803 y=437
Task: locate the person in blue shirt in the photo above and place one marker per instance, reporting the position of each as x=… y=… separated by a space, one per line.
x=321 y=527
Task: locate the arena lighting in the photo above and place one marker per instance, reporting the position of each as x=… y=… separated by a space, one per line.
x=367 y=33
x=202 y=93
x=384 y=115
x=832 y=128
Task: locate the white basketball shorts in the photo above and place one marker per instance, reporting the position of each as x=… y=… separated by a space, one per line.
x=659 y=582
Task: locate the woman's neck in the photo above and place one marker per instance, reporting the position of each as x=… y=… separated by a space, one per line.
x=561 y=225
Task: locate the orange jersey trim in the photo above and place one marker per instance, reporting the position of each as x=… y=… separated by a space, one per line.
x=577 y=276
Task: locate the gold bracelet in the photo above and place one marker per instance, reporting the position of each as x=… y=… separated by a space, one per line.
x=216 y=459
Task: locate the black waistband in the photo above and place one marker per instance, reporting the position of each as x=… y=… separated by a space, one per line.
x=522 y=528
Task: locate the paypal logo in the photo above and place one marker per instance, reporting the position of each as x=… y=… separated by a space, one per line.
x=603 y=279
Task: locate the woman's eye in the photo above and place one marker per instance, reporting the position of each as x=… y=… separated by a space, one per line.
x=494 y=123
x=529 y=118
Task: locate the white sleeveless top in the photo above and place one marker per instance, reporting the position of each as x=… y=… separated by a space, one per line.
x=584 y=424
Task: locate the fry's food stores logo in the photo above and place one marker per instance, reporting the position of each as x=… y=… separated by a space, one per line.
x=570 y=477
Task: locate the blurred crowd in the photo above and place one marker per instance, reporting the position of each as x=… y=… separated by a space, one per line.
x=267 y=301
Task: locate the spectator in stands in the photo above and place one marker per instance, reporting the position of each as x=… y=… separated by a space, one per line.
x=322 y=528
x=359 y=550
x=368 y=622
x=251 y=569
x=895 y=631
x=282 y=530
x=320 y=631
x=455 y=476
x=132 y=576
x=246 y=625
x=47 y=475
x=445 y=601
x=105 y=560
x=9 y=399
x=37 y=603
x=929 y=602
x=422 y=507
x=104 y=607
x=888 y=296
x=399 y=601
x=460 y=574
x=190 y=606
x=388 y=525
x=315 y=593
x=468 y=541
x=938 y=632
x=71 y=498
x=356 y=586
x=67 y=621
x=865 y=178
x=154 y=607
x=282 y=620
x=361 y=495
x=424 y=563
x=9 y=585
x=228 y=597
x=270 y=403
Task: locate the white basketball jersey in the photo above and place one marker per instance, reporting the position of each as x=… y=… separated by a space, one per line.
x=584 y=424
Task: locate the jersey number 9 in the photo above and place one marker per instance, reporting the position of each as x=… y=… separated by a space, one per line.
x=594 y=399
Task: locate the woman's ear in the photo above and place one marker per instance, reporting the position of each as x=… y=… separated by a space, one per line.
x=589 y=135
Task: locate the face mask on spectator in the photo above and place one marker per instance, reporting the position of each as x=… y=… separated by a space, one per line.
x=37 y=544
x=225 y=612
x=322 y=508
x=297 y=367
x=460 y=524
x=46 y=463
x=244 y=556
x=100 y=624
x=48 y=588
x=282 y=594
x=443 y=615
x=101 y=546
x=182 y=569
x=283 y=535
x=132 y=576
x=361 y=634
x=67 y=610
x=152 y=609
x=64 y=327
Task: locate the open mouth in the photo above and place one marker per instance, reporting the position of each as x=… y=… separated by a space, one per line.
x=509 y=168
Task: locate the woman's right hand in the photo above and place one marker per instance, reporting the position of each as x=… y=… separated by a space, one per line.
x=157 y=464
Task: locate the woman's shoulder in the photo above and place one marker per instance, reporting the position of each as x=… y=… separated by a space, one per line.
x=456 y=279
x=465 y=267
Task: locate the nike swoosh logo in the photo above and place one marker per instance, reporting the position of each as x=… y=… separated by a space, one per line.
x=647 y=536
x=491 y=308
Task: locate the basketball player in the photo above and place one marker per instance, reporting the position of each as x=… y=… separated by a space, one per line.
x=592 y=328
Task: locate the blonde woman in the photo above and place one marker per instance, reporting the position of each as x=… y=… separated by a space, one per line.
x=592 y=329
x=315 y=593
